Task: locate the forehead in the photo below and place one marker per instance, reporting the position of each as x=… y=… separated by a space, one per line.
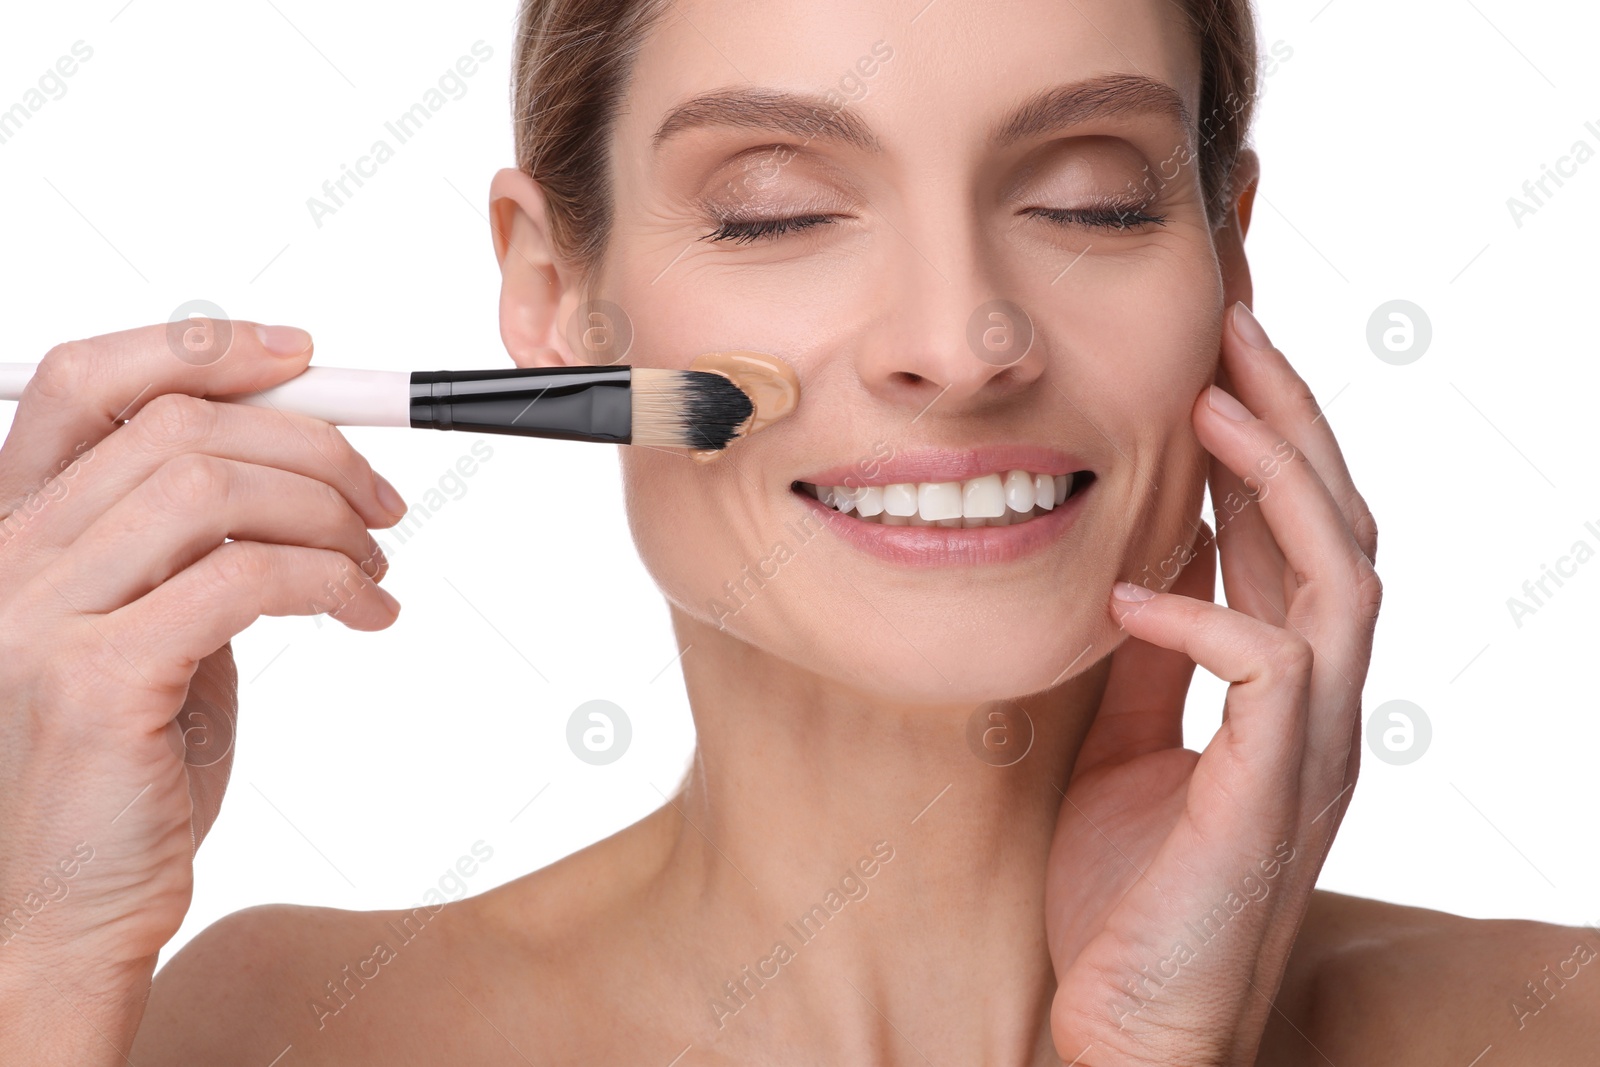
x=944 y=72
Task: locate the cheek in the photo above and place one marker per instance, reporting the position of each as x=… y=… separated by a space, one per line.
x=1166 y=499
x=668 y=513
x=703 y=534
x=1144 y=349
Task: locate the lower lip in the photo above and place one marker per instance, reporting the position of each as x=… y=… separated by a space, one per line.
x=949 y=546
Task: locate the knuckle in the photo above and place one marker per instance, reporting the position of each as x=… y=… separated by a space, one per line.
x=64 y=371
x=191 y=481
x=331 y=503
x=1303 y=402
x=1369 y=593
x=174 y=420
x=239 y=565
x=1289 y=655
x=329 y=441
x=1365 y=527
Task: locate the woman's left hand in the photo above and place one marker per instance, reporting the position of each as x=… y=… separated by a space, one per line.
x=1178 y=880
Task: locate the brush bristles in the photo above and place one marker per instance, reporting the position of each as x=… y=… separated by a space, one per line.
x=686 y=408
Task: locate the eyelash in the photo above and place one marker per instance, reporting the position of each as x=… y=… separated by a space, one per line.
x=1103 y=216
x=744 y=231
x=1106 y=217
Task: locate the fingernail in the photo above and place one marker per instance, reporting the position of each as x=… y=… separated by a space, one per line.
x=1129 y=591
x=1224 y=403
x=1248 y=327
x=284 y=340
x=388 y=497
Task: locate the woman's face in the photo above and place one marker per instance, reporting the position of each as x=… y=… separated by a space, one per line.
x=927 y=197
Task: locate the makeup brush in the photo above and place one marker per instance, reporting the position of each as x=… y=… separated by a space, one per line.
x=620 y=405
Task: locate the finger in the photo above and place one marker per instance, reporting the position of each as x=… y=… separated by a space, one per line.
x=1305 y=521
x=174 y=425
x=167 y=631
x=1264 y=731
x=185 y=510
x=1253 y=566
x=1141 y=709
x=1262 y=378
x=81 y=389
x=1332 y=593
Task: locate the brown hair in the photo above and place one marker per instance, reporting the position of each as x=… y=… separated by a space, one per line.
x=574 y=58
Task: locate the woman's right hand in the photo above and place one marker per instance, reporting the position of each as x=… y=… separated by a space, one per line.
x=143 y=527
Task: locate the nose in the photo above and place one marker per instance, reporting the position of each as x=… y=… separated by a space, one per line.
x=948 y=337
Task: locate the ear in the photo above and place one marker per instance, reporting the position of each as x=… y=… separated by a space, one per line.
x=538 y=293
x=1231 y=259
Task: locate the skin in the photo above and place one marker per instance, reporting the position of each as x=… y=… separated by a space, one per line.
x=1007 y=909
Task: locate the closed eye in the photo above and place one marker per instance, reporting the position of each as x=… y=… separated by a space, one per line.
x=1104 y=217
x=1101 y=217
x=744 y=231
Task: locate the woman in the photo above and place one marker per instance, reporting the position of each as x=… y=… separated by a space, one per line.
x=940 y=810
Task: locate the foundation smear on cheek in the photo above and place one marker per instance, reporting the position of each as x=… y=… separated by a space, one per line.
x=771 y=383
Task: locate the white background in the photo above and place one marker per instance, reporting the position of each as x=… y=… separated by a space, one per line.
x=178 y=164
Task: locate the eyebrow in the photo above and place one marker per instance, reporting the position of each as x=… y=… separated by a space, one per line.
x=805 y=115
x=1104 y=97
x=813 y=117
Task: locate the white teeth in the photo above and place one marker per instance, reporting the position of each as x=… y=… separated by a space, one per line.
x=869 y=500
x=1019 y=490
x=1044 y=491
x=989 y=500
x=939 y=500
x=983 y=498
x=899 y=498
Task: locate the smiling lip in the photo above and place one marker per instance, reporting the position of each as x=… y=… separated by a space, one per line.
x=951 y=546
x=949 y=465
x=944 y=546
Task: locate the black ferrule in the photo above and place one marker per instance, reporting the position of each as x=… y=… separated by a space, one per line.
x=567 y=403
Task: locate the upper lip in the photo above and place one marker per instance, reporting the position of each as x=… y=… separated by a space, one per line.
x=946 y=465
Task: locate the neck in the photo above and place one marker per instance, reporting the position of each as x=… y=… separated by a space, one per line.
x=876 y=864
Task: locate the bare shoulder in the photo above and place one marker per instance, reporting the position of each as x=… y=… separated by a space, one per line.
x=1369 y=979
x=328 y=985
x=486 y=979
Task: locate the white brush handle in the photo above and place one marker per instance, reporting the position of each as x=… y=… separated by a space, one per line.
x=342 y=396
